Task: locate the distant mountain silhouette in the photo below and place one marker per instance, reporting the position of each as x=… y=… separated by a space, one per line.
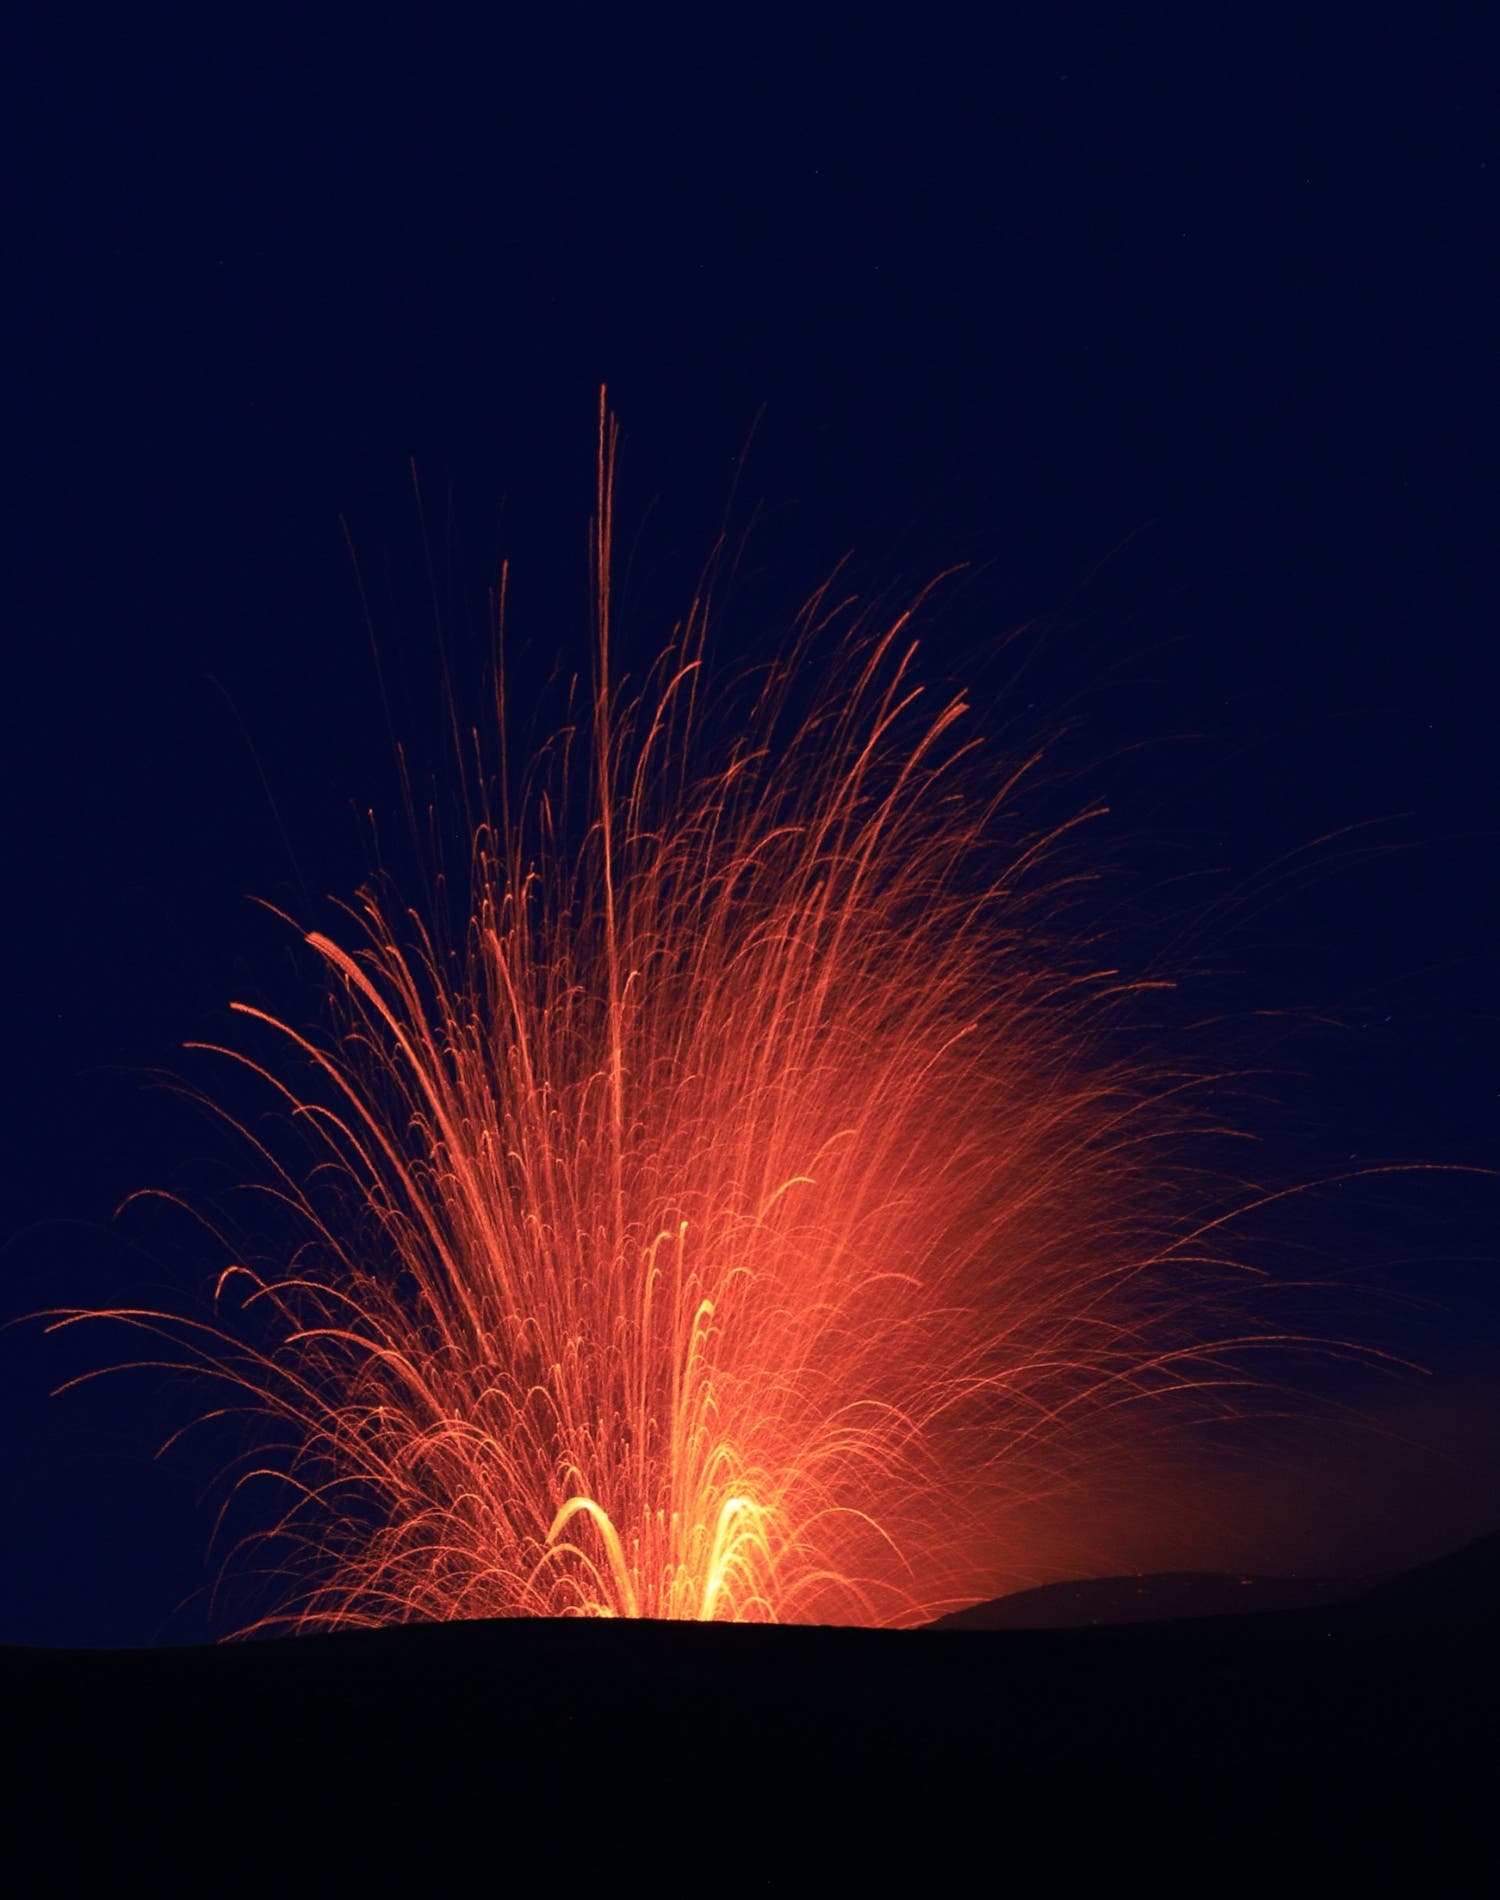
x=1463 y=1586
x=1156 y=1597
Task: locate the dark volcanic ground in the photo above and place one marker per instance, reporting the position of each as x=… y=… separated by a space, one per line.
x=1301 y=1745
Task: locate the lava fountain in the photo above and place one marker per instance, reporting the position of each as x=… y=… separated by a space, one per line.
x=750 y=1213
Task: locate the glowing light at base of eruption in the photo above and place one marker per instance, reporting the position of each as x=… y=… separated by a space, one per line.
x=750 y=1214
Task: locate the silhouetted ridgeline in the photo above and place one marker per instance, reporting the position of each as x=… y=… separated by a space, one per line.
x=1302 y=1743
x=1169 y=1597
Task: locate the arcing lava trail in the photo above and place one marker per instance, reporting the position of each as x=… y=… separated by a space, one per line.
x=750 y=1214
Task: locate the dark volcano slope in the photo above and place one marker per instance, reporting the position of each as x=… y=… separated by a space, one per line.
x=1302 y=1744
x=1165 y=1597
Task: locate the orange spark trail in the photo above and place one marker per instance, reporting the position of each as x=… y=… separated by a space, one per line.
x=750 y=1215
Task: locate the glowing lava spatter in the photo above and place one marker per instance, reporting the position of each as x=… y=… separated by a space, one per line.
x=748 y=1218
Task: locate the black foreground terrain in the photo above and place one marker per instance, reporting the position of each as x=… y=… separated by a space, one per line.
x=1301 y=1747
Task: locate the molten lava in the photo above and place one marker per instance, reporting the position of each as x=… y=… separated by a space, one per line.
x=750 y=1214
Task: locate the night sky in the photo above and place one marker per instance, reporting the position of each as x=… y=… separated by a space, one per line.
x=1181 y=339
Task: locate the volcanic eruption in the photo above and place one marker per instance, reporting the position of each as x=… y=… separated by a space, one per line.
x=754 y=1207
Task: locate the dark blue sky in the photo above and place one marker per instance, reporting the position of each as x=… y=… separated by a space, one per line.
x=1182 y=338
